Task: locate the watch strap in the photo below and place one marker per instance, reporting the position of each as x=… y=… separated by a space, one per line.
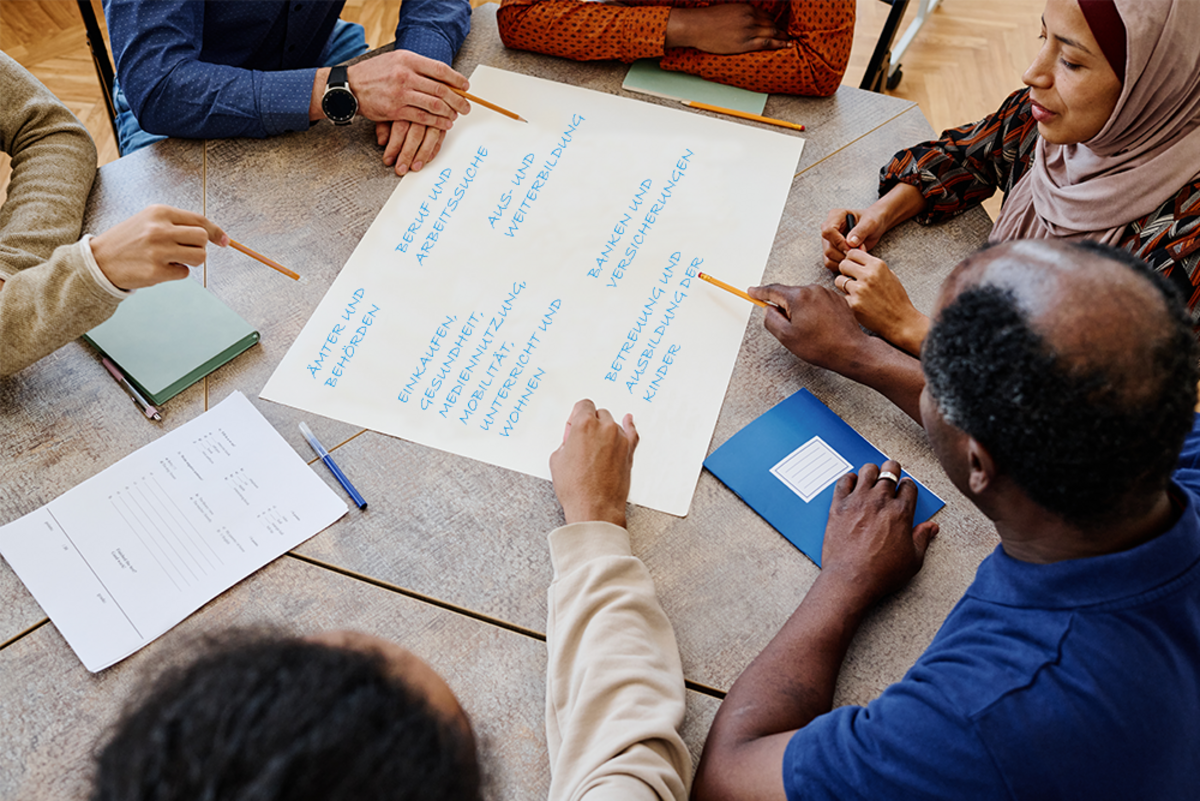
x=338 y=76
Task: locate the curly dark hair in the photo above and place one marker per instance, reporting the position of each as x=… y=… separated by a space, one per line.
x=262 y=716
x=1083 y=440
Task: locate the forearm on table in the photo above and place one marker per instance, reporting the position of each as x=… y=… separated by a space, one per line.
x=46 y=306
x=224 y=102
x=812 y=65
x=899 y=204
x=433 y=28
x=874 y=362
x=584 y=31
x=788 y=685
x=615 y=696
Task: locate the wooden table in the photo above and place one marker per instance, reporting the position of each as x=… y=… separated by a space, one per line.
x=450 y=559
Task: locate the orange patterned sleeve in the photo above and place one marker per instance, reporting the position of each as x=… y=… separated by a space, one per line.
x=823 y=31
x=584 y=31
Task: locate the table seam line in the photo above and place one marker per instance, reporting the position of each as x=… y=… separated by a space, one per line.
x=204 y=213
x=695 y=686
x=417 y=596
x=857 y=139
x=22 y=634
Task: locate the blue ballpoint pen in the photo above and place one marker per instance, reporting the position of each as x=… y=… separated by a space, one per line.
x=333 y=468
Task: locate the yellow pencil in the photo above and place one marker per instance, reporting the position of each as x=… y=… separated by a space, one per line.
x=732 y=289
x=745 y=115
x=486 y=104
x=274 y=265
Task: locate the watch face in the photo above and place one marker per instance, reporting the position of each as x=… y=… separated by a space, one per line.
x=339 y=104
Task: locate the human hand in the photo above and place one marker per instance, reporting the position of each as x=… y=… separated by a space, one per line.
x=870 y=543
x=154 y=245
x=407 y=144
x=838 y=239
x=724 y=29
x=879 y=301
x=591 y=468
x=812 y=322
x=402 y=85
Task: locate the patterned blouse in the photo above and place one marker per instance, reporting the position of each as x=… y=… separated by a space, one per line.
x=968 y=164
x=813 y=64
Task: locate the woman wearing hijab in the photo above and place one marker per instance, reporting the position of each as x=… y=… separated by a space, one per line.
x=1103 y=144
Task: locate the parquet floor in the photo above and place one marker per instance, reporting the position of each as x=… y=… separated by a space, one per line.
x=967 y=58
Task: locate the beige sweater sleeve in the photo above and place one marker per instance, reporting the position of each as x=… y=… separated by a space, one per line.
x=614 y=686
x=52 y=291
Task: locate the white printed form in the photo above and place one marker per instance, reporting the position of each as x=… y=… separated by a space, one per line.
x=120 y=559
x=809 y=469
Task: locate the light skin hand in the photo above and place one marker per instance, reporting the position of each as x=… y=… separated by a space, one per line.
x=407 y=145
x=591 y=469
x=835 y=236
x=153 y=246
x=902 y=202
x=724 y=29
x=871 y=549
x=400 y=85
x=879 y=301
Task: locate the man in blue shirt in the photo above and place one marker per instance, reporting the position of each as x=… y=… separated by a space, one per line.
x=262 y=67
x=1057 y=387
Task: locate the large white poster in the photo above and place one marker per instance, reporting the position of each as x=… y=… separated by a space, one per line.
x=534 y=264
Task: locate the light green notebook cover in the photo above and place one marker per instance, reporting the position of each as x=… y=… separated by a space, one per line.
x=167 y=337
x=647 y=77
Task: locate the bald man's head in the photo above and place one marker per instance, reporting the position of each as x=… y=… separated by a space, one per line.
x=1074 y=365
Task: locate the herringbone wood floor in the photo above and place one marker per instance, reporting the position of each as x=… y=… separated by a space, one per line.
x=970 y=54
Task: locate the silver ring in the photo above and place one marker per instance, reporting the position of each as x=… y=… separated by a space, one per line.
x=889 y=475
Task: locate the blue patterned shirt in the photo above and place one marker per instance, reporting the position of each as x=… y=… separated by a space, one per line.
x=246 y=68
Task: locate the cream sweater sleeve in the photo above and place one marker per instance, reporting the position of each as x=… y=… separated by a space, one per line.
x=614 y=685
x=52 y=292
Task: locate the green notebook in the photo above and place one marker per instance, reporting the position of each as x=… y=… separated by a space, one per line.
x=167 y=337
x=647 y=77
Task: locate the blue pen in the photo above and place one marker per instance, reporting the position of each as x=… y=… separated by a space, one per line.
x=333 y=468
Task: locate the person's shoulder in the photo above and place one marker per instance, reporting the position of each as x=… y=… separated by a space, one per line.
x=986 y=651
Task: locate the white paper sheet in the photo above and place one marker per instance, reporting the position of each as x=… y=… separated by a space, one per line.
x=531 y=265
x=812 y=467
x=120 y=559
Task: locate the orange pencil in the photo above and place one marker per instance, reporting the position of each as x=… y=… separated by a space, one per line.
x=486 y=104
x=745 y=115
x=274 y=265
x=732 y=289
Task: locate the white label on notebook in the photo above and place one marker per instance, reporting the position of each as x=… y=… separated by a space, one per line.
x=809 y=469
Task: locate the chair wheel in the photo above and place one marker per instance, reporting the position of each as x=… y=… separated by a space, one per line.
x=893 y=80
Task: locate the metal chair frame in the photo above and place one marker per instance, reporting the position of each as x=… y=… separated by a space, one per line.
x=103 y=64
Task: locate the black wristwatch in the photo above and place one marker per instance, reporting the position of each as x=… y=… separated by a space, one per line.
x=339 y=103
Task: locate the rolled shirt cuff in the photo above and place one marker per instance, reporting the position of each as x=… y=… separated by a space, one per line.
x=284 y=98
x=85 y=248
x=575 y=544
x=428 y=42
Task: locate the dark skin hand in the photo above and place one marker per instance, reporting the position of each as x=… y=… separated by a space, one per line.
x=871 y=550
x=816 y=324
x=725 y=29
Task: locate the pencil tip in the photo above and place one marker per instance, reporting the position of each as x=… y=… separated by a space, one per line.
x=522 y=119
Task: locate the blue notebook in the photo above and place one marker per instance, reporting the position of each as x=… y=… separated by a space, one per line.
x=785 y=464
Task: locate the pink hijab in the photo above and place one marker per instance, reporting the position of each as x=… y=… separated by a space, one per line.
x=1146 y=152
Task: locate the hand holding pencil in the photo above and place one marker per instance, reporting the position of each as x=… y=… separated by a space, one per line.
x=157 y=244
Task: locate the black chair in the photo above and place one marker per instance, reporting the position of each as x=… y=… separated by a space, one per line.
x=879 y=71
x=104 y=67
